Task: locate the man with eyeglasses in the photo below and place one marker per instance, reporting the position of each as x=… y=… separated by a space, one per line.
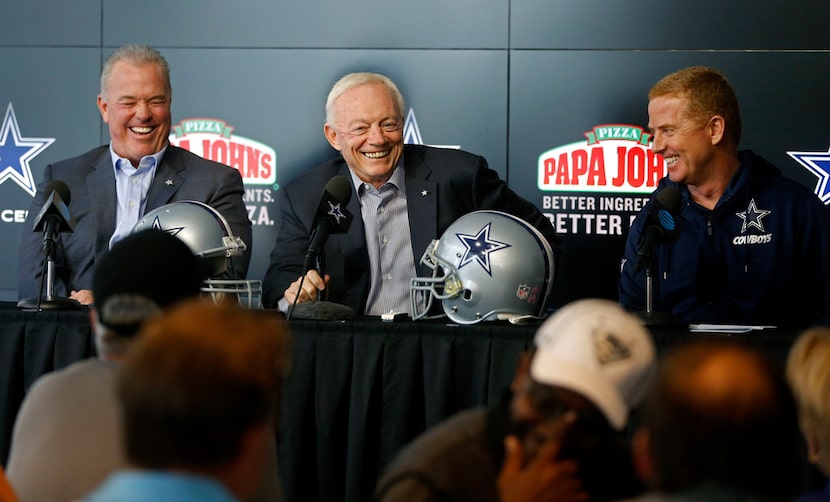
x=406 y=196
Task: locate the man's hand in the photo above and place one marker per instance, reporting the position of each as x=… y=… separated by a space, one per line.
x=84 y=296
x=544 y=478
x=311 y=285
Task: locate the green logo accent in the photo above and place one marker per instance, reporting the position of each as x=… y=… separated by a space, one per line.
x=211 y=126
x=624 y=132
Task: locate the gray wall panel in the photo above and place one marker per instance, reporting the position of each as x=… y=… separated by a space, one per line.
x=655 y=24
x=53 y=95
x=47 y=22
x=309 y=23
x=508 y=79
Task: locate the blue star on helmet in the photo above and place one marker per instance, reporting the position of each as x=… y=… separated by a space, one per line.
x=479 y=247
x=172 y=231
x=752 y=217
x=16 y=152
x=817 y=163
x=334 y=210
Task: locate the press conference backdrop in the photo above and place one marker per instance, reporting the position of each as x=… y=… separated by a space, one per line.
x=551 y=92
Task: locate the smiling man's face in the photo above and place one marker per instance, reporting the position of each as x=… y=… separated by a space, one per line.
x=368 y=132
x=685 y=144
x=136 y=107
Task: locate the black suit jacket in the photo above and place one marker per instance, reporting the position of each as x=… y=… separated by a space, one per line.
x=181 y=175
x=441 y=186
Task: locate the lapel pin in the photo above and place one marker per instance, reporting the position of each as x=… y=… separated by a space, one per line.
x=169 y=182
x=424 y=193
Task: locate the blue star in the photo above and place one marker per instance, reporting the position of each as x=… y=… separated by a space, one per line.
x=16 y=154
x=752 y=216
x=817 y=163
x=479 y=247
x=335 y=211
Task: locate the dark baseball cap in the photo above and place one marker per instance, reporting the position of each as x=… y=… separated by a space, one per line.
x=143 y=274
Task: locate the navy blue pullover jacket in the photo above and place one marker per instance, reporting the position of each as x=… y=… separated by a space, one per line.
x=761 y=256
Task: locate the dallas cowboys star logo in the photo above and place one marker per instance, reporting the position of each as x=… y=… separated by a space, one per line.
x=16 y=152
x=412 y=133
x=817 y=163
x=479 y=247
x=335 y=211
x=171 y=231
x=752 y=217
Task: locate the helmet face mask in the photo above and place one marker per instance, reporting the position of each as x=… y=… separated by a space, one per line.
x=208 y=234
x=487 y=265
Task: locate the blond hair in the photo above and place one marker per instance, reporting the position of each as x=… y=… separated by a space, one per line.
x=708 y=93
x=808 y=371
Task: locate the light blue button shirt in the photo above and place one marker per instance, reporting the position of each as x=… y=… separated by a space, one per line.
x=131 y=187
x=159 y=486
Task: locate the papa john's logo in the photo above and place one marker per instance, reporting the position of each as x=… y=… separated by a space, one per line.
x=212 y=139
x=16 y=152
x=614 y=158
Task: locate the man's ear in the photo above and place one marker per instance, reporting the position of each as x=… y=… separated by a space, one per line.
x=103 y=107
x=641 y=455
x=331 y=136
x=93 y=318
x=716 y=129
x=522 y=371
x=813 y=447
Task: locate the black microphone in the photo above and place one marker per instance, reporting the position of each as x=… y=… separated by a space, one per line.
x=54 y=216
x=332 y=217
x=665 y=207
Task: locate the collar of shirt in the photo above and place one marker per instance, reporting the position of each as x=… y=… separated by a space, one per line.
x=132 y=184
x=398 y=179
x=156 y=157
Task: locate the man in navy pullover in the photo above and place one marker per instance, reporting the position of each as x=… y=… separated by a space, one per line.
x=750 y=246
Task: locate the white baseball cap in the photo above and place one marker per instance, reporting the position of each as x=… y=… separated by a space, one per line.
x=599 y=350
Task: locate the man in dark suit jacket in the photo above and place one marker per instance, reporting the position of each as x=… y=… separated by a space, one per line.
x=111 y=187
x=364 y=122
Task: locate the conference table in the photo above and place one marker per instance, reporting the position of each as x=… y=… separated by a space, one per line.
x=357 y=392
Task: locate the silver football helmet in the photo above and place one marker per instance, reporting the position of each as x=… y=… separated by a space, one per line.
x=208 y=234
x=487 y=265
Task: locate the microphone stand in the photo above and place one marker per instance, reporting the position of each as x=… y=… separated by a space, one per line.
x=49 y=301
x=318 y=309
x=650 y=317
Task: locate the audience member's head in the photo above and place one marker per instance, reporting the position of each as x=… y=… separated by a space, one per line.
x=592 y=361
x=141 y=275
x=719 y=414
x=808 y=371
x=199 y=392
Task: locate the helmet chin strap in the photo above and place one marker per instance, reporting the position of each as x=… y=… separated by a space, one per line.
x=523 y=319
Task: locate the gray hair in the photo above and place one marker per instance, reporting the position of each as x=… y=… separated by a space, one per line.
x=356 y=79
x=108 y=343
x=134 y=55
x=123 y=314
